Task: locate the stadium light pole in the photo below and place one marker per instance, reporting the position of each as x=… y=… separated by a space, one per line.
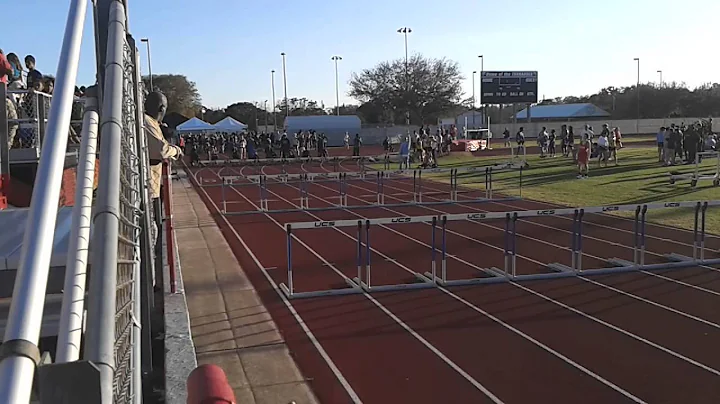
x=637 y=120
x=147 y=44
x=272 y=85
x=405 y=31
x=337 y=83
x=482 y=68
x=287 y=107
x=661 y=80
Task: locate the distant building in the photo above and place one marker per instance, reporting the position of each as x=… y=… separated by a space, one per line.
x=331 y=125
x=561 y=112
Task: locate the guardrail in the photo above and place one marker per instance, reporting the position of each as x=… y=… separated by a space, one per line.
x=169 y=228
x=362 y=282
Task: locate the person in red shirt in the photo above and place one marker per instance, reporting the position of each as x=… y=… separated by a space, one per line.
x=583 y=157
x=5 y=68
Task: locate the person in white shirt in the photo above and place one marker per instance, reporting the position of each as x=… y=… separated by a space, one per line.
x=589 y=134
x=542 y=141
x=603 y=144
x=243 y=147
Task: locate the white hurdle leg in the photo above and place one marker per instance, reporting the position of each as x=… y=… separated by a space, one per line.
x=222 y=192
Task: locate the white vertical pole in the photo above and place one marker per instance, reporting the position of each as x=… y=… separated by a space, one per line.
x=73 y=305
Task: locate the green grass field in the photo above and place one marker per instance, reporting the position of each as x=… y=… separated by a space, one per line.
x=637 y=179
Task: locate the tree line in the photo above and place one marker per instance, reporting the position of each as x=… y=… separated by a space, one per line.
x=427 y=89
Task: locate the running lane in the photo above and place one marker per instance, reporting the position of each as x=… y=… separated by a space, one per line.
x=625 y=318
x=381 y=360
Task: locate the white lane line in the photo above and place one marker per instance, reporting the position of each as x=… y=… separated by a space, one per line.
x=497 y=320
x=616 y=328
x=620 y=330
x=385 y=310
x=343 y=381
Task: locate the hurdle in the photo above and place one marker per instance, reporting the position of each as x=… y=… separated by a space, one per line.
x=280 y=161
x=262 y=183
x=433 y=278
x=288 y=288
x=381 y=187
x=696 y=176
x=453 y=186
x=304 y=199
x=417 y=186
x=577 y=235
x=363 y=281
x=366 y=282
x=489 y=181
x=342 y=190
x=698 y=253
x=303 y=181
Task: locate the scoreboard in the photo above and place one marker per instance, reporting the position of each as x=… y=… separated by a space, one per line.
x=508 y=87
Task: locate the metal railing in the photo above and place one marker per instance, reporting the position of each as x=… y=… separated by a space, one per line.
x=19 y=355
x=27 y=113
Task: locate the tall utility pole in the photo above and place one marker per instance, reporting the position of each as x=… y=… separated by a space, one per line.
x=473 y=87
x=482 y=107
x=405 y=31
x=287 y=107
x=637 y=120
x=661 y=80
x=272 y=84
x=147 y=44
x=337 y=83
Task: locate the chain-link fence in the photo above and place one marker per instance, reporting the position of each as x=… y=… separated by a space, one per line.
x=123 y=190
x=128 y=259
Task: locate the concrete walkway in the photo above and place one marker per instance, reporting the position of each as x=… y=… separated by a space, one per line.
x=230 y=326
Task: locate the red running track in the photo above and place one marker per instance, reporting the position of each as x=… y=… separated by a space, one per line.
x=636 y=337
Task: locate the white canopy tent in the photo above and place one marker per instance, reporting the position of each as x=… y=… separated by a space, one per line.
x=195 y=125
x=229 y=124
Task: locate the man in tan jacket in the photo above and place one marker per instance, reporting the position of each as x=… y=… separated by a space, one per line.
x=158 y=148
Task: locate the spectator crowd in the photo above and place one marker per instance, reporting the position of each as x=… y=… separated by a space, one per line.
x=27 y=88
x=254 y=145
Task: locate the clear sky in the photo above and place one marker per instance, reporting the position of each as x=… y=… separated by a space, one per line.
x=229 y=47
